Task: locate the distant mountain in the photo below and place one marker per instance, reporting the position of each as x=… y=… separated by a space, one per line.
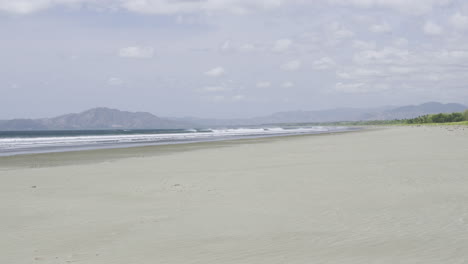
x=338 y=114
x=331 y=115
x=96 y=118
x=412 y=111
x=105 y=118
x=356 y=114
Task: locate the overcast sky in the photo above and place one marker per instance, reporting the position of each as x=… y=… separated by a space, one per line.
x=229 y=58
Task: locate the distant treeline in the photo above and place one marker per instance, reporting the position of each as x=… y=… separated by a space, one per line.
x=425 y=119
x=439 y=118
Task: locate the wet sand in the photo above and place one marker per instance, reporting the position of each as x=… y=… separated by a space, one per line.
x=393 y=195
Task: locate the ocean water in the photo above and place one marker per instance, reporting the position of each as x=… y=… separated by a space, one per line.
x=27 y=142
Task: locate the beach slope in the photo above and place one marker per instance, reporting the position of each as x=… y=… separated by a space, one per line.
x=389 y=195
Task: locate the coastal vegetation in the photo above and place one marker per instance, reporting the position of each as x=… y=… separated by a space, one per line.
x=457 y=118
x=439 y=118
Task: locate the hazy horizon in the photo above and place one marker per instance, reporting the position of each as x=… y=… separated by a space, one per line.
x=229 y=58
x=383 y=107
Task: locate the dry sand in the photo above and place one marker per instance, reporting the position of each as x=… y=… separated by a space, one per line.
x=396 y=195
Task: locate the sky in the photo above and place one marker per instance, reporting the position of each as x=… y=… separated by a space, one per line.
x=229 y=58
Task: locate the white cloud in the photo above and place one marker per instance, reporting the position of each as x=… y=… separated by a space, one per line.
x=225 y=46
x=336 y=33
x=175 y=7
x=401 y=70
x=293 y=65
x=288 y=84
x=343 y=34
x=324 y=63
x=413 y=7
x=452 y=56
x=247 y=47
x=137 y=52
x=350 y=87
x=401 y=42
x=114 y=81
x=263 y=84
x=282 y=45
x=360 y=74
x=30 y=6
x=359 y=44
x=459 y=21
x=217 y=98
x=215 y=72
x=239 y=97
x=339 y=32
x=381 y=28
x=169 y=7
x=213 y=89
x=229 y=46
x=432 y=28
x=145 y=6
x=23 y=7
x=385 y=55
x=360 y=88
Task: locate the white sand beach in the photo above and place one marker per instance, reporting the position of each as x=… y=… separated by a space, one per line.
x=387 y=195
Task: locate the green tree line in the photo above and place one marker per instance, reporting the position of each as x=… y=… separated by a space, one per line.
x=438 y=118
x=425 y=119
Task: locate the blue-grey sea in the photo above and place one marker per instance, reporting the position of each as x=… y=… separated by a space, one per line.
x=28 y=142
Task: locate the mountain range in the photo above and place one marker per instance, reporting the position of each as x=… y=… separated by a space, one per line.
x=337 y=114
x=106 y=118
x=96 y=118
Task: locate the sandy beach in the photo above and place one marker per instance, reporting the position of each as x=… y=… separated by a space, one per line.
x=386 y=195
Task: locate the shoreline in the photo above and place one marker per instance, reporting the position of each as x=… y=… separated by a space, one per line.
x=86 y=156
x=37 y=142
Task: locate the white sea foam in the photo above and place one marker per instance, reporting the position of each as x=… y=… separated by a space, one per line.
x=17 y=145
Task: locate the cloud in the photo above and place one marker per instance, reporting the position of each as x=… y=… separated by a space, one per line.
x=340 y=32
x=381 y=28
x=401 y=69
x=293 y=65
x=324 y=63
x=359 y=44
x=247 y=47
x=213 y=89
x=114 y=81
x=360 y=74
x=350 y=87
x=230 y=46
x=226 y=99
x=215 y=72
x=386 y=55
x=198 y=6
x=25 y=7
x=431 y=28
x=136 y=52
x=288 y=84
x=225 y=46
x=401 y=42
x=452 y=56
x=263 y=84
x=282 y=45
x=216 y=98
x=334 y=33
x=459 y=21
x=164 y=7
x=360 y=88
x=238 y=98
x=411 y=7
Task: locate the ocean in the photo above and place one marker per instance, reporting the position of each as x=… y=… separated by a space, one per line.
x=28 y=142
